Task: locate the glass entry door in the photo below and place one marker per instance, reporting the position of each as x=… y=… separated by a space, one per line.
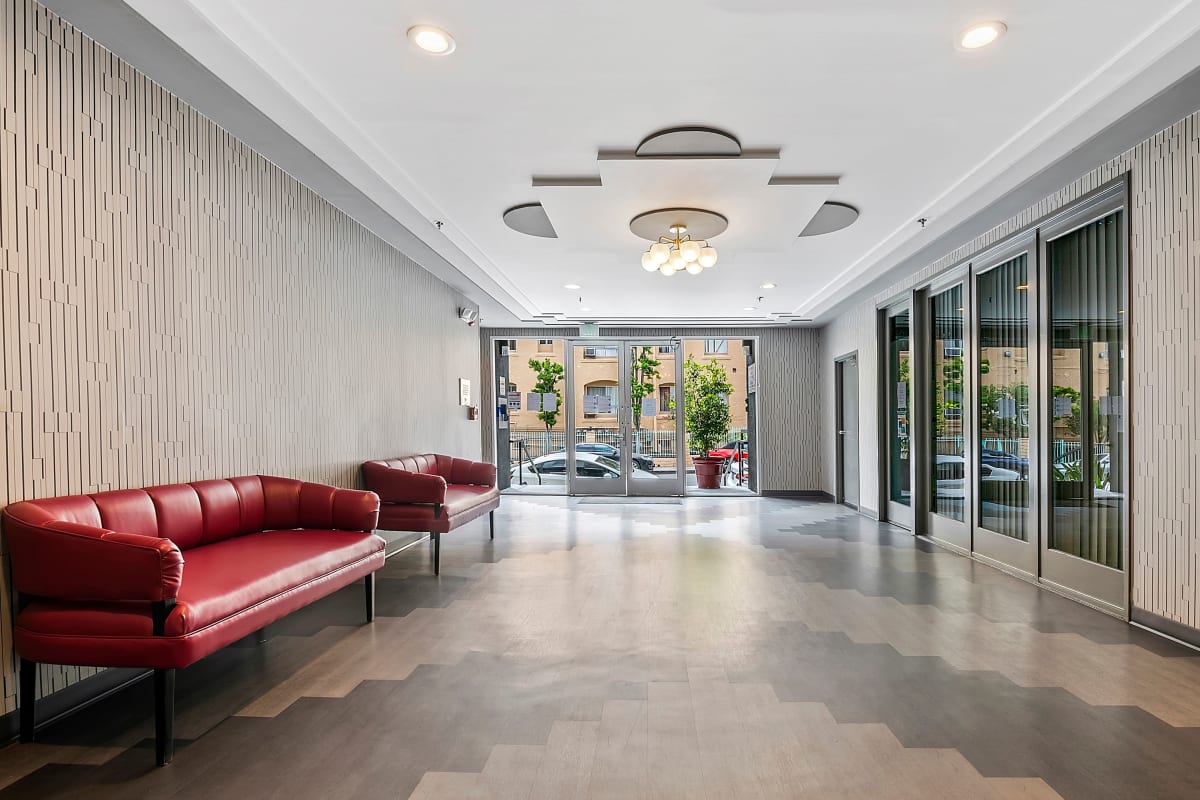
x=624 y=428
x=1005 y=463
x=951 y=477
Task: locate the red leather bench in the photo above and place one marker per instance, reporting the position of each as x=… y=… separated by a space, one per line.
x=432 y=494
x=159 y=578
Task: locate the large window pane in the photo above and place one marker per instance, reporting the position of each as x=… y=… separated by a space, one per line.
x=899 y=402
x=1087 y=394
x=1003 y=439
x=949 y=449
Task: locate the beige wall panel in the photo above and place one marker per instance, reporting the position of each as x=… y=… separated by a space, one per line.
x=176 y=307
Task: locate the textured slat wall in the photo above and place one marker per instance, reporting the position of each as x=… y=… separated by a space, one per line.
x=789 y=410
x=176 y=307
x=1164 y=172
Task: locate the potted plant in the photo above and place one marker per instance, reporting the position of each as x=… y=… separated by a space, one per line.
x=706 y=417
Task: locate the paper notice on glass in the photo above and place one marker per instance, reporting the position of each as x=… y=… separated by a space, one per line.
x=603 y=404
x=550 y=402
x=902 y=396
x=514 y=401
x=1110 y=405
x=591 y=404
x=1006 y=408
x=648 y=407
x=533 y=401
x=1062 y=406
x=464 y=392
x=751 y=378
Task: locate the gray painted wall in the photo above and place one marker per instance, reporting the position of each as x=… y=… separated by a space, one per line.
x=1164 y=173
x=176 y=307
x=789 y=396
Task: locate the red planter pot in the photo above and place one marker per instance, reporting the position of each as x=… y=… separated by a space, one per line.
x=708 y=472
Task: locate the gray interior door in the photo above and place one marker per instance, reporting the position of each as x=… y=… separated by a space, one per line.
x=848 y=429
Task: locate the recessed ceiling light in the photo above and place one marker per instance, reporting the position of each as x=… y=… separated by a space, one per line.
x=584 y=309
x=767 y=286
x=431 y=39
x=750 y=308
x=571 y=286
x=981 y=34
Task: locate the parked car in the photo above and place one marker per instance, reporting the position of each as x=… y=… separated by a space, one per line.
x=551 y=469
x=1001 y=460
x=731 y=450
x=949 y=472
x=600 y=448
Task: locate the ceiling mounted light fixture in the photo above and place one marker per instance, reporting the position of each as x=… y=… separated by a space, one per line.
x=767 y=286
x=431 y=39
x=981 y=34
x=679 y=252
x=571 y=286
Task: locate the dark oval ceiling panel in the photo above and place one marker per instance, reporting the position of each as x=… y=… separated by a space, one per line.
x=531 y=220
x=829 y=218
x=689 y=142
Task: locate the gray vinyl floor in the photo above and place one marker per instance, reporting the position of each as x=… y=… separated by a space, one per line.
x=716 y=648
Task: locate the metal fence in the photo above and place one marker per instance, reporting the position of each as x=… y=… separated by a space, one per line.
x=655 y=444
x=1061 y=449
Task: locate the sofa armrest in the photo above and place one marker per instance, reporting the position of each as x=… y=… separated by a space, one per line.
x=401 y=486
x=354 y=510
x=474 y=473
x=59 y=560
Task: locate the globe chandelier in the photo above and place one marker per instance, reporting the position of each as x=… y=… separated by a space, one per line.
x=679 y=252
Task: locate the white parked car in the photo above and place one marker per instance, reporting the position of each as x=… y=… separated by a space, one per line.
x=951 y=469
x=552 y=469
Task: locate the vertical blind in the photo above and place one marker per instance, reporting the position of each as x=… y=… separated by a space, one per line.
x=1086 y=395
x=1003 y=372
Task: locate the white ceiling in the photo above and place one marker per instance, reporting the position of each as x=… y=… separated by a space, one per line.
x=873 y=92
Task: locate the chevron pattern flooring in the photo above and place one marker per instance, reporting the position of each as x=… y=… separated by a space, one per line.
x=722 y=648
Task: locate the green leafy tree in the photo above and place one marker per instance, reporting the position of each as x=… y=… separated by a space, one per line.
x=549 y=374
x=641 y=385
x=947 y=393
x=706 y=416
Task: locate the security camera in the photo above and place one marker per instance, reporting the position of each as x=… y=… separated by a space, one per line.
x=468 y=315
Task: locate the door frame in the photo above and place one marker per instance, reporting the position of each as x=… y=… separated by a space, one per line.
x=893 y=512
x=952 y=533
x=1088 y=581
x=626 y=485
x=839 y=368
x=1006 y=552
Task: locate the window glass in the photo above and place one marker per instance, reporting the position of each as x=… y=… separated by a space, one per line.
x=1086 y=393
x=946 y=316
x=1003 y=373
x=554 y=467
x=716 y=347
x=899 y=403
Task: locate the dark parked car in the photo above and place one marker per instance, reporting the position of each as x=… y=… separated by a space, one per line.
x=639 y=461
x=998 y=459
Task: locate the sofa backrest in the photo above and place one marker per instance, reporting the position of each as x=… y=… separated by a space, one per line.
x=425 y=464
x=455 y=470
x=189 y=514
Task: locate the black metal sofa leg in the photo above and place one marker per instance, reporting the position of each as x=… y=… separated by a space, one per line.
x=164 y=716
x=369 y=586
x=437 y=553
x=492 y=524
x=28 y=698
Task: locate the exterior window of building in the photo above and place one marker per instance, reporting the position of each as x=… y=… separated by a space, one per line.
x=714 y=347
x=665 y=350
x=1086 y=393
x=1002 y=487
x=545 y=345
x=600 y=352
x=946 y=359
x=594 y=405
x=899 y=404
x=666 y=398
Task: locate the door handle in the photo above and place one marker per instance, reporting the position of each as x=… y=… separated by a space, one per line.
x=841 y=433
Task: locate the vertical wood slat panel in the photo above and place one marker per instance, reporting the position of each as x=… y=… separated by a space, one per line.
x=1164 y=352
x=175 y=307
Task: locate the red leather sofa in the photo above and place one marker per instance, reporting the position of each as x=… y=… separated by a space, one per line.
x=433 y=494
x=159 y=578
